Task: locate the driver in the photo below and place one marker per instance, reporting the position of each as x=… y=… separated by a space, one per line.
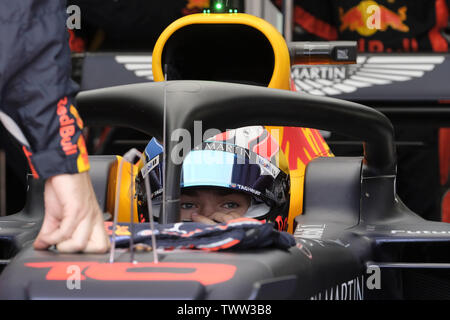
x=238 y=173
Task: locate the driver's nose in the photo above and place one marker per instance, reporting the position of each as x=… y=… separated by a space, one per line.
x=207 y=209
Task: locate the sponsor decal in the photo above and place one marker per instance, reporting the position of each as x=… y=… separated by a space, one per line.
x=66 y=129
x=78 y=119
x=83 y=159
x=220 y=146
x=368 y=72
x=205 y=273
x=309 y=231
x=342 y=54
x=120 y=230
x=195 y=6
x=267 y=168
x=301 y=145
x=349 y=290
x=354 y=288
x=76 y=44
x=153 y=149
x=157 y=192
x=176 y=229
x=304 y=243
x=369 y=17
x=149 y=166
x=419 y=232
x=224 y=136
x=248 y=189
x=264 y=145
x=320 y=72
x=281 y=223
x=140 y=65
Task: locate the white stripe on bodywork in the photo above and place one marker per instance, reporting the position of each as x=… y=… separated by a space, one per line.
x=411 y=59
x=358 y=84
x=410 y=73
x=423 y=67
x=138 y=66
x=134 y=59
x=345 y=88
x=143 y=73
x=383 y=76
x=370 y=80
x=331 y=91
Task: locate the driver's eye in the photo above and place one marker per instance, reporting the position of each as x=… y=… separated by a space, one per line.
x=187 y=205
x=230 y=205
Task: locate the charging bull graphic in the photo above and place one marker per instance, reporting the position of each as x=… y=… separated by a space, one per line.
x=195 y=6
x=369 y=17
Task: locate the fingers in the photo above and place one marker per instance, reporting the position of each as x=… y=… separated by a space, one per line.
x=99 y=240
x=51 y=218
x=231 y=216
x=224 y=217
x=67 y=227
x=202 y=219
x=79 y=239
x=48 y=226
x=73 y=220
x=217 y=217
x=89 y=238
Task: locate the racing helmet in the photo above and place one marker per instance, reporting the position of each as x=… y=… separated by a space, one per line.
x=247 y=160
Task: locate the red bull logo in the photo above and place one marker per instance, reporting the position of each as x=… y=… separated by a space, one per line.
x=302 y=145
x=197 y=4
x=281 y=223
x=75 y=113
x=83 y=159
x=67 y=128
x=369 y=17
x=120 y=230
x=205 y=273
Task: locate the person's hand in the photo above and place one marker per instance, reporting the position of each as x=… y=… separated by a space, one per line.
x=217 y=217
x=73 y=220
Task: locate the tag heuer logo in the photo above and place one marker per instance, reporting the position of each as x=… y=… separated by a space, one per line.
x=369 y=71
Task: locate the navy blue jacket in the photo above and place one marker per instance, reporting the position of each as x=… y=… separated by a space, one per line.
x=36 y=90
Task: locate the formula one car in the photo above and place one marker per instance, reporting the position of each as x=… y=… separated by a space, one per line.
x=354 y=240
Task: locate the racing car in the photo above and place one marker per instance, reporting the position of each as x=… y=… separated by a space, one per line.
x=352 y=224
